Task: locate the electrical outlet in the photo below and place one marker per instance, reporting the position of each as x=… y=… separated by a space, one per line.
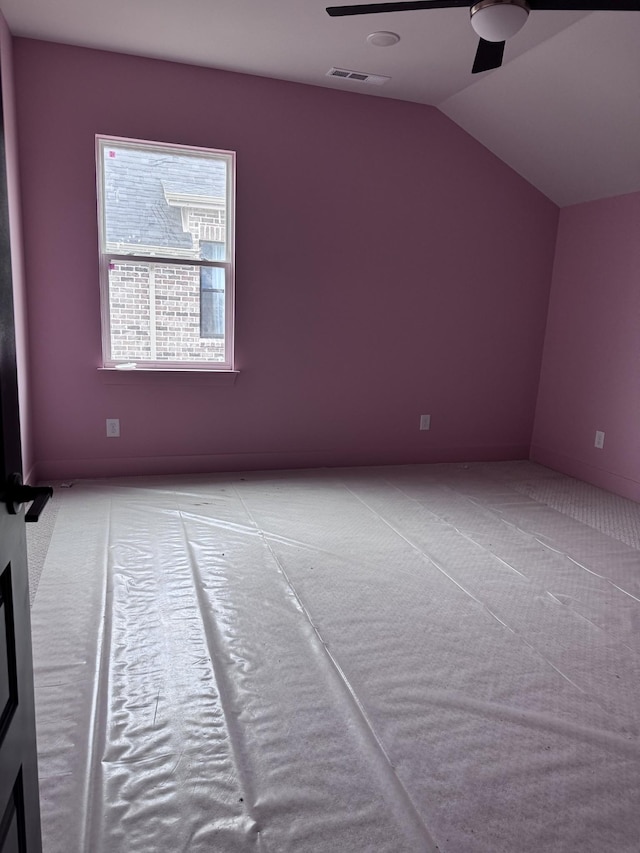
x=599 y=442
x=113 y=428
x=425 y=421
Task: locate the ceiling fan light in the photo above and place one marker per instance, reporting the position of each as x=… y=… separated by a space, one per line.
x=499 y=20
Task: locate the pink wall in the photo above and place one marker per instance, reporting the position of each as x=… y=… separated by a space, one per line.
x=591 y=367
x=17 y=257
x=387 y=266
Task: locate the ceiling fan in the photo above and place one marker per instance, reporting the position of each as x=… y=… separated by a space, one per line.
x=493 y=20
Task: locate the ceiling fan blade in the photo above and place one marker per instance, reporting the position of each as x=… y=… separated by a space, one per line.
x=488 y=56
x=410 y=6
x=585 y=5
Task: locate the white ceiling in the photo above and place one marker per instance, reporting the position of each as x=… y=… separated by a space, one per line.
x=563 y=111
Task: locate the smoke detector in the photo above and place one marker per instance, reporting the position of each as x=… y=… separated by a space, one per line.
x=383 y=39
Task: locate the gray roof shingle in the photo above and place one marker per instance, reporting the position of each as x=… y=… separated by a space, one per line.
x=135 y=181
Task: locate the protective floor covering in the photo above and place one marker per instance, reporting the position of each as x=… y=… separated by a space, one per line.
x=398 y=659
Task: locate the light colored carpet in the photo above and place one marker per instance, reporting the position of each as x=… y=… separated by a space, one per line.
x=39 y=537
x=419 y=659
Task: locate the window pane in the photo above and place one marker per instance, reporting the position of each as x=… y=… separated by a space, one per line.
x=211 y=291
x=163 y=202
x=210 y=251
x=211 y=302
x=155 y=313
x=211 y=313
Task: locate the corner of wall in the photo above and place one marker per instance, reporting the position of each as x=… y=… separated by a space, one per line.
x=17 y=251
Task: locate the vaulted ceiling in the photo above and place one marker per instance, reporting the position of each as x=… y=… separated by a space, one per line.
x=563 y=111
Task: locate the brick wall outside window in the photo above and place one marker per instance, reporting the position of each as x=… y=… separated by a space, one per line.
x=177 y=304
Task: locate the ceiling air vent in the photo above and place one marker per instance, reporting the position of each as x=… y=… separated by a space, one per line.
x=358 y=76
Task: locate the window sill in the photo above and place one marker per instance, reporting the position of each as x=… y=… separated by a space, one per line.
x=164 y=376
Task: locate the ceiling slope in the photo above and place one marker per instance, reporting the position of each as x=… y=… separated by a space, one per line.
x=566 y=116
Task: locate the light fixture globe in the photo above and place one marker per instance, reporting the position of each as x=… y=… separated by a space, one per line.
x=499 y=20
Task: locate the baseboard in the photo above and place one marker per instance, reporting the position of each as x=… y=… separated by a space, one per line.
x=626 y=487
x=68 y=469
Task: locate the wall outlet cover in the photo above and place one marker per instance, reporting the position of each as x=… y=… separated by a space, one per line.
x=599 y=442
x=113 y=428
x=425 y=421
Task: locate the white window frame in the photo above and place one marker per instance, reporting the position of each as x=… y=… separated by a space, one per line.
x=106 y=258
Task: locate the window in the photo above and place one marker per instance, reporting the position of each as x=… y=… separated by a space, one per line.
x=166 y=254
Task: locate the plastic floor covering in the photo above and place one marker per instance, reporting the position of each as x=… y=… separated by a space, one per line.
x=422 y=658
